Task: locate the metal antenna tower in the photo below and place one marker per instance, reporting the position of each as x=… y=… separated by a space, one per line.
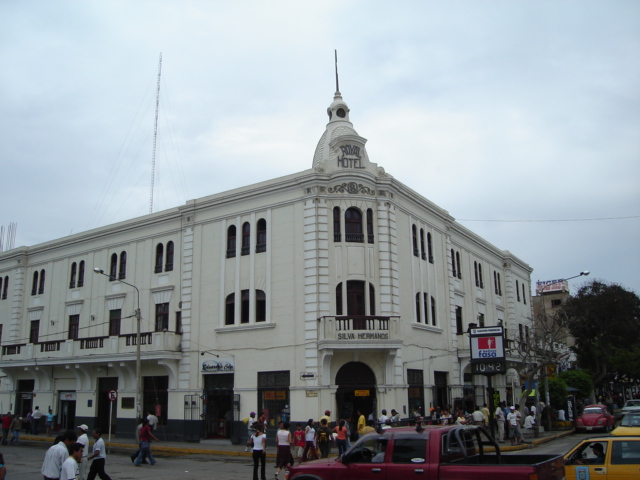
x=155 y=135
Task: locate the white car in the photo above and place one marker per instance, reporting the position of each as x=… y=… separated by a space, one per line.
x=631 y=406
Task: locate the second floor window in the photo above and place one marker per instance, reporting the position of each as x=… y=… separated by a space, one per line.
x=261 y=240
x=370 y=235
x=337 y=237
x=244 y=306
x=433 y=311
x=430 y=247
x=355 y=301
x=497 y=283
x=517 y=290
x=459 y=326
x=162 y=317
x=113 y=267
x=168 y=264
x=74 y=272
x=422 y=252
x=414 y=236
x=261 y=306
x=34 y=331
x=122 y=272
x=5 y=287
x=74 y=327
x=231 y=241
x=115 y=317
x=159 y=258
x=230 y=309
x=81 y=274
x=246 y=239
x=353 y=225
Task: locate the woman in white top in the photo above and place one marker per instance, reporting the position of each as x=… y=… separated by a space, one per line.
x=309 y=437
x=284 y=441
x=259 y=445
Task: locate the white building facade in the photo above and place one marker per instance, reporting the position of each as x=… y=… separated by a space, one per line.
x=334 y=288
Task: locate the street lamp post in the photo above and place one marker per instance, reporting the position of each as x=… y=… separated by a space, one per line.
x=546 y=374
x=138 y=363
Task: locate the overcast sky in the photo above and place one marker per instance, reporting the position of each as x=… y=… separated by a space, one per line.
x=520 y=118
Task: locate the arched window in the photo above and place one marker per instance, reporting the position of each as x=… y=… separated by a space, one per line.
x=230 y=308
x=246 y=238
x=81 y=274
x=524 y=297
x=458 y=264
x=414 y=236
x=5 y=287
x=74 y=271
x=355 y=298
x=433 y=311
x=41 y=287
x=425 y=304
x=353 y=225
x=430 y=247
x=159 y=258
x=339 y=299
x=261 y=239
x=231 y=241
x=422 y=252
x=34 y=284
x=113 y=267
x=261 y=306
x=370 y=235
x=372 y=300
x=475 y=271
x=480 y=276
x=168 y=264
x=418 y=316
x=122 y=273
x=517 y=290
x=337 y=237
x=244 y=306
x=453 y=264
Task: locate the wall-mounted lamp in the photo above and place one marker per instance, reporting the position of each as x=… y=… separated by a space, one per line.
x=53 y=322
x=210 y=353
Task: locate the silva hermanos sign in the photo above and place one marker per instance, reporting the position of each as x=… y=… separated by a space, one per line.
x=350 y=157
x=363 y=336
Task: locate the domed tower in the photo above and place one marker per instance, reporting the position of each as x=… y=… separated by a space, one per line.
x=341 y=148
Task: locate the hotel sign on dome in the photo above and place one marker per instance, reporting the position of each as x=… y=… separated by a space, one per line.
x=349 y=157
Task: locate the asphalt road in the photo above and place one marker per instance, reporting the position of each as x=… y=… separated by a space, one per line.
x=24 y=462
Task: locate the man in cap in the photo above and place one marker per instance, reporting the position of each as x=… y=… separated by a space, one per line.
x=395 y=418
x=514 y=425
x=326 y=416
x=598 y=451
x=83 y=439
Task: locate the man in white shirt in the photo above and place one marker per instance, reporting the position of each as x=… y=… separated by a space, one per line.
x=56 y=455
x=84 y=440
x=99 y=457
x=69 y=469
x=37 y=414
x=529 y=422
x=383 y=419
x=153 y=421
x=478 y=417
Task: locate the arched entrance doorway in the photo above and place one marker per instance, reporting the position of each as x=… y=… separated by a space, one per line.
x=356 y=391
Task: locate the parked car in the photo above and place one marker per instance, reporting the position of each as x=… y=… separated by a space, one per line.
x=435 y=452
x=594 y=417
x=631 y=406
x=604 y=458
x=630 y=425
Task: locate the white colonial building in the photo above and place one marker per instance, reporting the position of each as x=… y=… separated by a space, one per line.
x=334 y=288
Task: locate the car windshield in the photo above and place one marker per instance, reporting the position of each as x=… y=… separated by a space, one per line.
x=592 y=410
x=632 y=403
x=631 y=421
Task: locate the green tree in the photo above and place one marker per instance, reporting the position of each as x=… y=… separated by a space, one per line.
x=604 y=319
x=557 y=392
x=580 y=380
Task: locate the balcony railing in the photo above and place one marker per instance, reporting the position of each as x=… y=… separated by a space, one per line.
x=370 y=328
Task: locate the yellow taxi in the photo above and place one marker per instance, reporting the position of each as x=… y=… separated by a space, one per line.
x=604 y=458
x=630 y=425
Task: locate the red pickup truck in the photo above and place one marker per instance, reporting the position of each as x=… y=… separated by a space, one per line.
x=432 y=452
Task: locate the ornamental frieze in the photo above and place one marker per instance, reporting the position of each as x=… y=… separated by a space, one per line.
x=351 y=188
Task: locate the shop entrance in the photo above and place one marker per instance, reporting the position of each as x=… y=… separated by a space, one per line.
x=356 y=391
x=67 y=412
x=218 y=405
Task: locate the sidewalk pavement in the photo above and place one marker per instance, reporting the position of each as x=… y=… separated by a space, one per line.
x=222 y=447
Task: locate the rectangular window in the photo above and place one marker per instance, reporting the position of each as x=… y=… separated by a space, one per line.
x=74 y=327
x=162 y=317
x=244 y=307
x=178 y=322
x=459 y=329
x=481 y=320
x=273 y=393
x=35 y=331
x=261 y=306
x=415 y=380
x=115 y=317
x=433 y=311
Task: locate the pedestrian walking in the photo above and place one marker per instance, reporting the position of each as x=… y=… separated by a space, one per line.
x=259 y=452
x=99 y=457
x=3 y=468
x=16 y=426
x=37 y=415
x=500 y=420
x=50 y=417
x=284 y=441
x=137 y=452
x=341 y=437
x=56 y=455
x=145 y=444
x=309 y=439
x=6 y=427
x=323 y=438
x=251 y=429
x=83 y=439
x=69 y=470
x=153 y=421
x=298 y=442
